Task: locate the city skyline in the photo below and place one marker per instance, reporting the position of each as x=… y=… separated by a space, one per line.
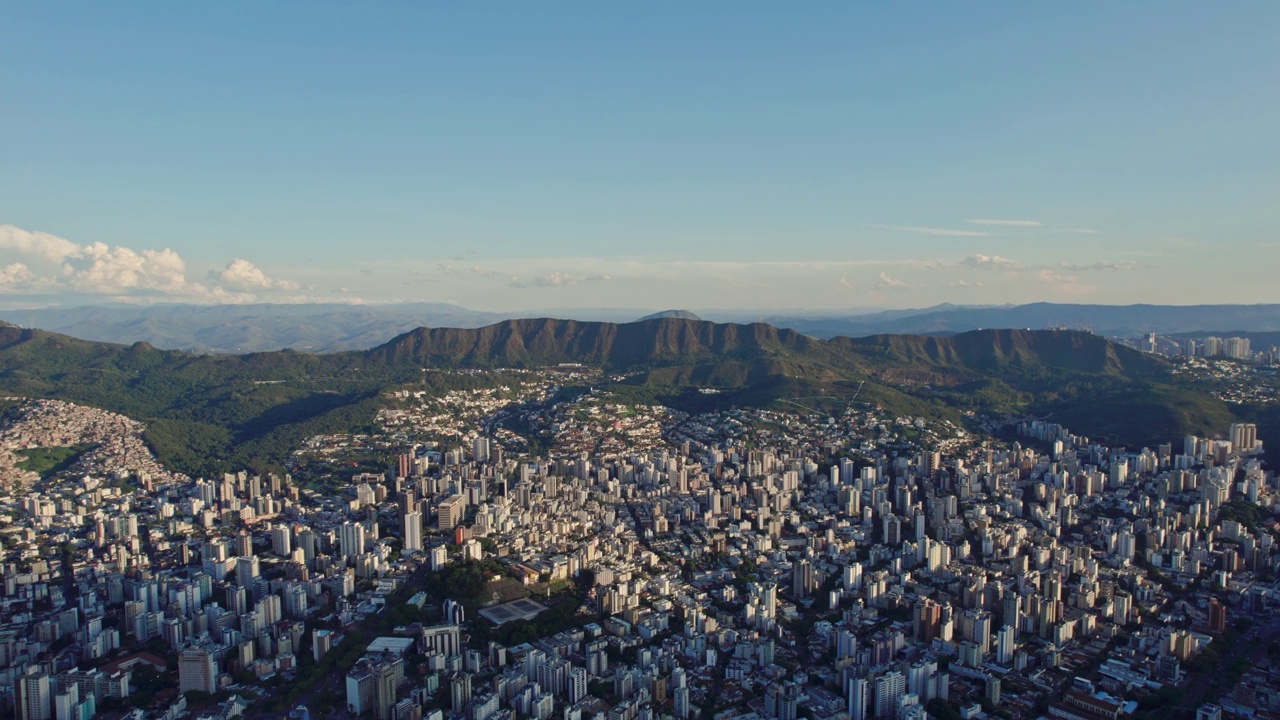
x=506 y=158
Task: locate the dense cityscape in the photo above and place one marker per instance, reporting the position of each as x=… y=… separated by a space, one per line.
x=638 y=361
x=521 y=551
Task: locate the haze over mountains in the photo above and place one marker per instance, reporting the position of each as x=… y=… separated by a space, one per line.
x=331 y=327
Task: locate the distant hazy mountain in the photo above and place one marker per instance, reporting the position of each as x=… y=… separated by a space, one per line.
x=321 y=327
x=673 y=314
x=337 y=327
x=1111 y=320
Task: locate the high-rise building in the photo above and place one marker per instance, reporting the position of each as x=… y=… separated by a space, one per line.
x=577 y=686
x=889 y=688
x=928 y=620
x=350 y=539
x=919 y=677
x=1244 y=437
x=1120 y=608
x=246 y=570
x=244 y=543
x=371 y=686
x=387 y=676
x=1237 y=347
x=762 y=605
x=321 y=641
x=1004 y=645
x=444 y=639
x=856 y=698
x=1011 y=611
x=360 y=689
x=281 y=540
x=67 y=703
x=34 y=698
x=846 y=644
x=680 y=693
x=453 y=612
x=993 y=690
x=802 y=578
x=597 y=658
x=1217 y=616
x=450 y=512
x=891 y=528
x=294 y=600
x=781 y=701
x=460 y=691
x=982 y=631
x=197 y=670
x=413 y=532
x=439 y=557
x=1125 y=545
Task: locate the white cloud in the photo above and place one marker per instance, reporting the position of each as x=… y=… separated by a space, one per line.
x=1099 y=265
x=934 y=231
x=241 y=274
x=663 y=268
x=110 y=270
x=15 y=274
x=121 y=273
x=1050 y=276
x=887 y=281
x=477 y=270
x=844 y=283
x=198 y=292
x=991 y=262
x=39 y=244
x=557 y=279
x=1007 y=223
x=1063 y=284
x=995 y=262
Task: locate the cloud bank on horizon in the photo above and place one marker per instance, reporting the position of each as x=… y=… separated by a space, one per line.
x=52 y=270
x=51 y=267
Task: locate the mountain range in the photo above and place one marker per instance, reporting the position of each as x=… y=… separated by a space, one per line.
x=212 y=413
x=331 y=327
x=1108 y=320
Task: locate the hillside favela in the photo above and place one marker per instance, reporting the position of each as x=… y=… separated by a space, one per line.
x=732 y=362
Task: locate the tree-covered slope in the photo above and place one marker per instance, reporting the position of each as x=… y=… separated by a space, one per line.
x=618 y=347
x=210 y=413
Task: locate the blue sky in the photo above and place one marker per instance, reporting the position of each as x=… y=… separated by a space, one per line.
x=728 y=155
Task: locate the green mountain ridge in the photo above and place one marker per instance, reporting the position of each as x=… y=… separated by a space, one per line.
x=337 y=327
x=209 y=413
x=620 y=347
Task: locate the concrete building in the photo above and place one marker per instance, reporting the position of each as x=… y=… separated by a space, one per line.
x=197 y=670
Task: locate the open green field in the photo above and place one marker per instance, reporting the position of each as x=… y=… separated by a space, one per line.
x=48 y=461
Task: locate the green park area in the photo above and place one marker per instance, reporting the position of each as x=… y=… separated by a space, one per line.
x=47 y=461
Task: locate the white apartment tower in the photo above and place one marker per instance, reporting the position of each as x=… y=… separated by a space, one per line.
x=413 y=532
